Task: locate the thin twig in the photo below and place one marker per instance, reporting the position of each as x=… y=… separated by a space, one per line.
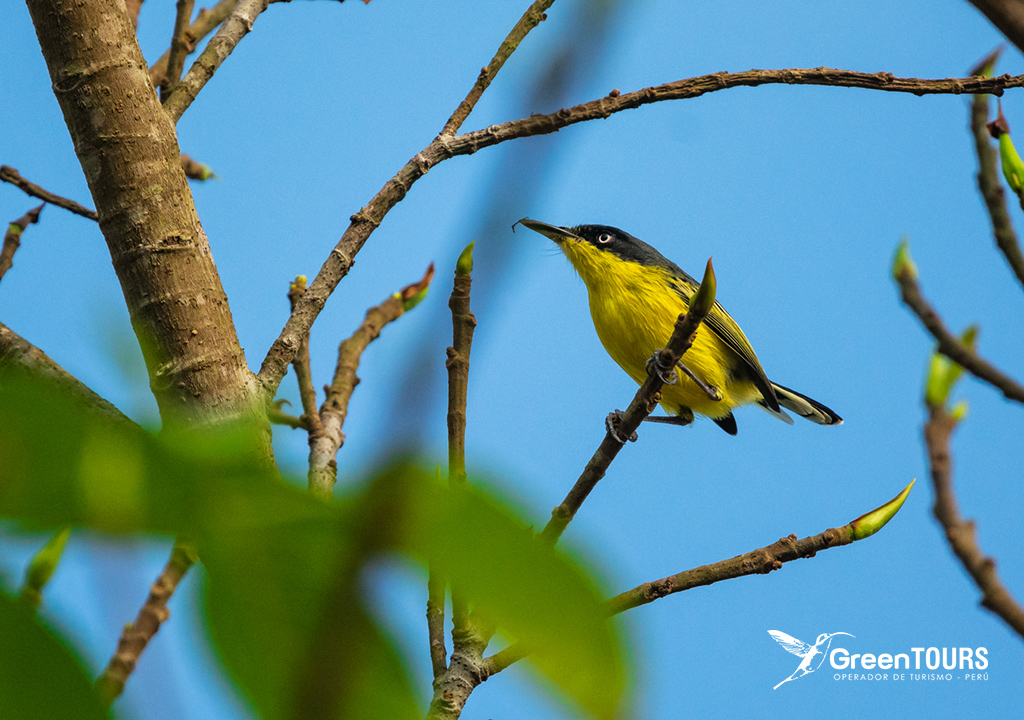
x=12 y=238
x=151 y=616
x=961 y=533
x=181 y=45
x=992 y=190
x=435 y=623
x=202 y=26
x=9 y=174
x=530 y=19
x=364 y=222
x=643 y=403
x=279 y=417
x=950 y=345
x=756 y=562
x=235 y=27
x=303 y=375
x=325 y=444
x=457 y=364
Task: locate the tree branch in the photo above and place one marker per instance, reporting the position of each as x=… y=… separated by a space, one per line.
x=643 y=403
x=443 y=147
x=9 y=174
x=151 y=616
x=457 y=364
x=12 y=238
x=18 y=355
x=129 y=155
x=949 y=344
x=533 y=16
x=324 y=445
x=1007 y=15
x=992 y=190
x=181 y=46
x=303 y=375
x=961 y=533
x=756 y=562
x=202 y=26
x=235 y=27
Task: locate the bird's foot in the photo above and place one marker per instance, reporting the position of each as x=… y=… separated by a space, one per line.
x=710 y=390
x=613 y=422
x=655 y=365
x=670 y=419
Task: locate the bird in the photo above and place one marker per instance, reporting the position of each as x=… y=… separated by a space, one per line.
x=806 y=653
x=636 y=294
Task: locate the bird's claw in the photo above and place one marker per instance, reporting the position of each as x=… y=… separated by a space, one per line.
x=612 y=423
x=655 y=365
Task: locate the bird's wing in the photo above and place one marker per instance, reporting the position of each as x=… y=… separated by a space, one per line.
x=722 y=324
x=790 y=643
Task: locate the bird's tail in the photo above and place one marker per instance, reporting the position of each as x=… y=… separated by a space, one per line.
x=805 y=407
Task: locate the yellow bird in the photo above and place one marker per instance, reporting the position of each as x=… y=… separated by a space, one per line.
x=636 y=294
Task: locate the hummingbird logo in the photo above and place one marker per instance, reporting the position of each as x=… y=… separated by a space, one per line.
x=811 y=656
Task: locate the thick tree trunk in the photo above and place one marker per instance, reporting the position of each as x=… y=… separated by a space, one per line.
x=128 y=149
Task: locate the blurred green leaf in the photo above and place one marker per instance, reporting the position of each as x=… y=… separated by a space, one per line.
x=42 y=566
x=39 y=676
x=285 y=606
x=532 y=592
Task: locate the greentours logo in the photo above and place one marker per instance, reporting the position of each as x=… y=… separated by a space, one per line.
x=948 y=663
x=811 y=656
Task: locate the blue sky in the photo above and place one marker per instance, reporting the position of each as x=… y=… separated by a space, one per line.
x=799 y=193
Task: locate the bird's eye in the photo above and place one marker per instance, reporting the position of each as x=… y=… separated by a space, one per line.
x=604 y=238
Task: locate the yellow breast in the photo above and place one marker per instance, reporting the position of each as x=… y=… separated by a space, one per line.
x=634 y=309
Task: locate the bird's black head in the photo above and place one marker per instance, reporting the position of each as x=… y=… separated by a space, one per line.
x=620 y=242
x=604 y=238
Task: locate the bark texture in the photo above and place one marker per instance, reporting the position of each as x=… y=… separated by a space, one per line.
x=128 y=150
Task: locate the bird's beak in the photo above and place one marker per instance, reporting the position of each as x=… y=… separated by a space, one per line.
x=553 y=232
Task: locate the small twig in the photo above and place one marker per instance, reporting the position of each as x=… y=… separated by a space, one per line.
x=533 y=16
x=12 y=238
x=435 y=623
x=235 y=27
x=643 y=403
x=756 y=562
x=457 y=364
x=181 y=45
x=444 y=147
x=325 y=444
x=992 y=190
x=279 y=417
x=961 y=533
x=9 y=174
x=195 y=170
x=303 y=375
x=151 y=616
x=950 y=345
x=202 y=26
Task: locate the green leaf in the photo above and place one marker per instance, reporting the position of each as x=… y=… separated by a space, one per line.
x=464 y=265
x=902 y=263
x=40 y=677
x=871 y=522
x=42 y=565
